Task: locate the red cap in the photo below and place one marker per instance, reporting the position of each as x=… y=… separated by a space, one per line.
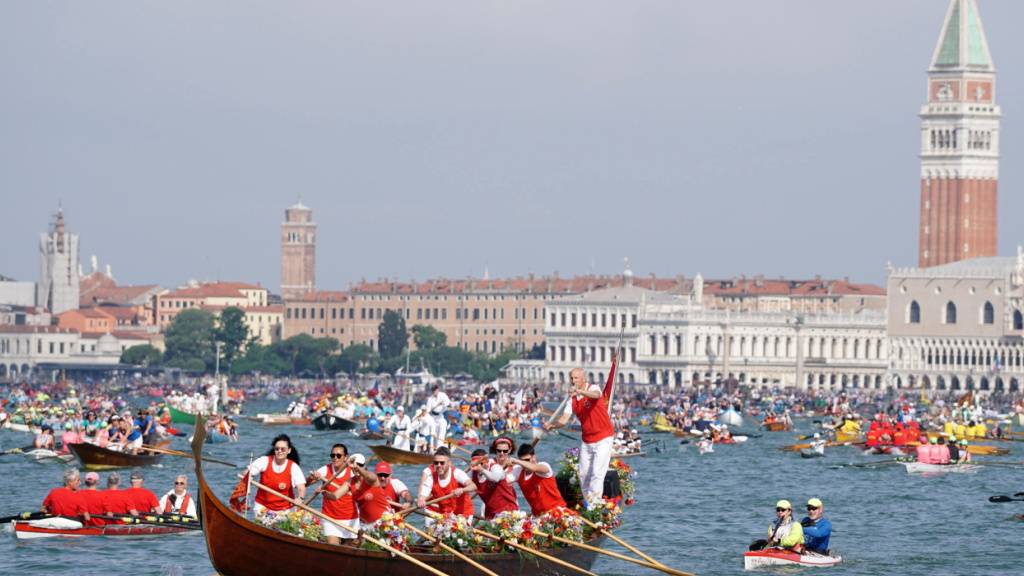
x=383 y=468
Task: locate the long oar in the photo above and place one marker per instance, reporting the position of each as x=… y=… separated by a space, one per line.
x=326 y=518
x=414 y=508
x=551 y=419
x=452 y=551
x=996 y=498
x=521 y=547
x=25 y=516
x=170 y=452
x=621 y=542
x=616 y=555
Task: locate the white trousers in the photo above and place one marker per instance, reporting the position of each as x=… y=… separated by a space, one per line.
x=594 y=459
x=440 y=430
x=401 y=440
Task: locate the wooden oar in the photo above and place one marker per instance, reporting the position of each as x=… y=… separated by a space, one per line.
x=170 y=452
x=621 y=542
x=521 y=547
x=414 y=508
x=616 y=555
x=551 y=418
x=452 y=551
x=327 y=518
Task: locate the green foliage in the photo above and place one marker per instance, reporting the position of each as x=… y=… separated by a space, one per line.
x=537 y=352
x=262 y=359
x=392 y=335
x=428 y=338
x=232 y=333
x=485 y=368
x=189 y=341
x=142 y=355
x=355 y=358
x=305 y=354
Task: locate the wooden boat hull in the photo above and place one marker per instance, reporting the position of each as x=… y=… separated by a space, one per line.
x=25 y=531
x=395 y=456
x=367 y=435
x=239 y=547
x=180 y=416
x=332 y=422
x=775 y=426
x=93 y=457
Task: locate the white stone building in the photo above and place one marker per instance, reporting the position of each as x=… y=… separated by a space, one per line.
x=959 y=326
x=57 y=290
x=24 y=348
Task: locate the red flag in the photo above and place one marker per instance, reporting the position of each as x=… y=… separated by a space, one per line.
x=239 y=494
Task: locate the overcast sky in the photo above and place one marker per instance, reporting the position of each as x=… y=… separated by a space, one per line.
x=442 y=138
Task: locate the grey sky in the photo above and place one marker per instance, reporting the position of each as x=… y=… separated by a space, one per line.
x=437 y=138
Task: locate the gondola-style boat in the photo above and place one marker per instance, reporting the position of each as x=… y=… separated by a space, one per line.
x=370 y=435
x=93 y=457
x=329 y=421
x=240 y=547
x=26 y=531
x=180 y=416
x=396 y=456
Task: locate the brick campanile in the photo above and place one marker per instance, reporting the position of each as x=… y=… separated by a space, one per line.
x=959 y=144
x=298 y=252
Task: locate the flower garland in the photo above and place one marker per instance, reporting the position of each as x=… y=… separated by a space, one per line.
x=511 y=526
x=456 y=531
x=295 y=522
x=560 y=522
x=390 y=529
x=604 y=513
x=627 y=480
x=568 y=475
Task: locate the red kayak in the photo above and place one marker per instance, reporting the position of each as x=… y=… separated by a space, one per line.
x=25 y=531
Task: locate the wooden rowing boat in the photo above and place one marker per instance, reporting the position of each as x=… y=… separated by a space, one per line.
x=180 y=416
x=93 y=457
x=332 y=422
x=239 y=547
x=776 y=426
x=25 y=531
x=368 y=435
x=395 y=456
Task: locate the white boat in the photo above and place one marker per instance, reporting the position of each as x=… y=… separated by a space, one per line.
x=919 y=468
x=780 y=557
x=44 y=455
x=731 y=418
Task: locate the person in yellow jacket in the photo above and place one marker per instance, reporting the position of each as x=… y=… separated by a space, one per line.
x=960 y=431
x=785 y=532
x=977 y=430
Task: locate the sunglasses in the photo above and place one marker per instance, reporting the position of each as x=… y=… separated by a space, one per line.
x=812 y=507
x=440 y=462
x=337 y=455
x=179 y=483
x=502 y=451
x=280 y=448
x=782 y=509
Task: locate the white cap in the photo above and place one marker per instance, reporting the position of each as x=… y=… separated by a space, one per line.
x=359 y=459
x=400 y=409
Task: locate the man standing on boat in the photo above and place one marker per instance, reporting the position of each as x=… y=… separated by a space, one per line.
x=590 y=404
x=400 y=425
x=437 y=405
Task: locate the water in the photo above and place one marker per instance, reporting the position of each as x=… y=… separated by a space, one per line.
x=694 y=513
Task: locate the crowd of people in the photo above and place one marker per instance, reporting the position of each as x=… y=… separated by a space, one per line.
x=80 y=499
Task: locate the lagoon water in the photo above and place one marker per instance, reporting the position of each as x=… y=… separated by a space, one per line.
x=694 y=513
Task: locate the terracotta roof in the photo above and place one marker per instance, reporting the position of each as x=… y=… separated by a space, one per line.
x=817 y=287
x=321 y=296
x=212 y=290
x=121 y=313
x=114 y=294
x=87 y=313
x=541 y=285
x=20 y=329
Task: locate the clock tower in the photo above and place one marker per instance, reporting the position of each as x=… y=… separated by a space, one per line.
x=959 y=144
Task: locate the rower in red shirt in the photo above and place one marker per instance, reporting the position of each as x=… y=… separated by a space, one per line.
x=394 y=489
x=590 y=404
x=93 y=499
x=369 y=495
x=115 y=500
x=440 y=480
x=537 y=481
x=65 y=501
x=141 y=499
x=489 y=476
x=339 y=504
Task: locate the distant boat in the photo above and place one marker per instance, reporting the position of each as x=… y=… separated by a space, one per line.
x=731 y=418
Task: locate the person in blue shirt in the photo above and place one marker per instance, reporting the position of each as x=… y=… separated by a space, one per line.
x=817 y=528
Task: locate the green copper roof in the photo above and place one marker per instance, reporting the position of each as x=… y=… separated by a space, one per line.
x=962 y=43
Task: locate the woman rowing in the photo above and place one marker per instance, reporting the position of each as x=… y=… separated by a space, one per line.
x=278 y=469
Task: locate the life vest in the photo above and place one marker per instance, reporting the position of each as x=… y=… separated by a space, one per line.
x=541 y=493
x=390 y=494
x=183 y=508
x=279 y=481
x=438 y=491
x=497 y=496
x=343 y=508
x=594 y=419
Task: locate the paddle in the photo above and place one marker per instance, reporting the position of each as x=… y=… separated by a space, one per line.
x=326 y=518
x=551 y=419
x=616 y=555
x=518 y=546
x=994 y=499
x=170 y=452
x=451 y=550
x=414 y=508
x=25 y=516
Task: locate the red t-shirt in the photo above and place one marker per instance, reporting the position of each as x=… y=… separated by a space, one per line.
x=142 y=500
x=116 y=501
x=64 y=501
x=93 y=501
x=372 y=502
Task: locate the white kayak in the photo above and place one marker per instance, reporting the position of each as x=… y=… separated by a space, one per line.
x=919 y=468
x=780 y=557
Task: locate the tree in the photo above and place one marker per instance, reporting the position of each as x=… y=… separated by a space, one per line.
x=304 y=354
x=189 y=341
x=537 y=352
x=392 y=335
x=449 y=360
x=262 y=359
x=232 y=333
x=142 y=355
x=428 y=337
x=485 y=368
x=353 y=359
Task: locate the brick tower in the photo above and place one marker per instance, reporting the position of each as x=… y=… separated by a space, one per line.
x=959 y=144
x=298 y=252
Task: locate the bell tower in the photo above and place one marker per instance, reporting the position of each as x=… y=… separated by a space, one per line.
x=959 y=144
x=298 y=252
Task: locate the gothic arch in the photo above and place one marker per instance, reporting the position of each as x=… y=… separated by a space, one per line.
x=914 y=313
x=988 y=314
x=950 y=313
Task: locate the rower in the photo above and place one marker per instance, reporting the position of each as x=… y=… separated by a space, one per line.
x=965 y=454
x=536 y=480
x=65 y=501
x=394 y=489
x=368 y=492
x=45 y=440
x=490 y=477
x=437 y=404
x=440 y=479
x=818 y=444
x=115 y=500
x=178 y=500
x=339 y=503
x=278 y=469
x=142 y=499
x=590 y=405
x=817 y=529
x=400 y=424
x=954 y=450
x=92 y=498
x=785 y=533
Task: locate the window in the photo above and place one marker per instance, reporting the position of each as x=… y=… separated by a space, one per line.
x=950 y=313
x=988 y=314
x=914 y=316
x=1018 y=320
